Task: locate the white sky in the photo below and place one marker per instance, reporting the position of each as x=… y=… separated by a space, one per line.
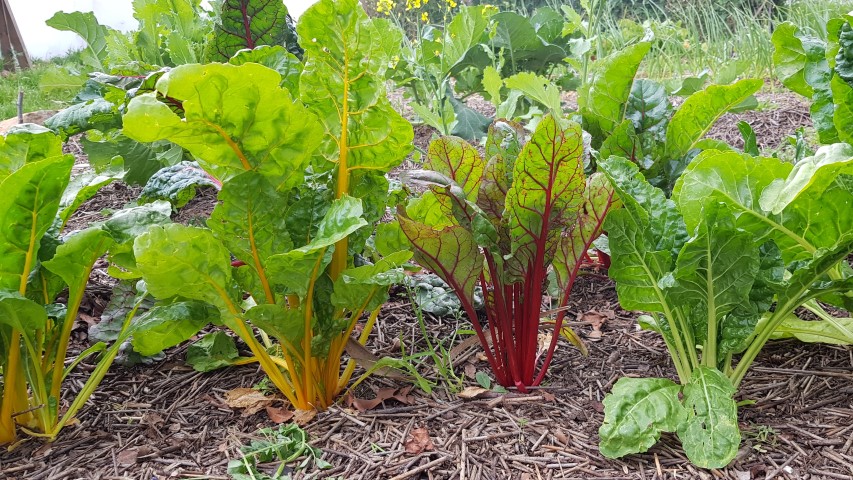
x=45 y=42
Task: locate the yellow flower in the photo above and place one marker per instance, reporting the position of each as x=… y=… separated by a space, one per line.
x=384 y=6
x=425 y=17
x=451 y=3
x=410 y=4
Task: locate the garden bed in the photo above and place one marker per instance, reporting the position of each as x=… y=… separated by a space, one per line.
x=167 y=421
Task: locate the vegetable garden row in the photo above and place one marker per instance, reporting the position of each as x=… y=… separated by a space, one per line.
x=719 y=247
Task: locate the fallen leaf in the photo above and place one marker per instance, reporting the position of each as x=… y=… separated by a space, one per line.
x=470 y=371
x=419 y=441
x=596 y=319
x=302 y=417
x=549 y=397
x=364 y=404
x=597 y=406
x=249 y=399
x=127 y=457
x=279 y=414
x=472 y=392
x=561 y=437
x=544 y=340
x=526 y=476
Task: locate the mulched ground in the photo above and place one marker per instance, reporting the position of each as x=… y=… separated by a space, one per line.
x=168 y=421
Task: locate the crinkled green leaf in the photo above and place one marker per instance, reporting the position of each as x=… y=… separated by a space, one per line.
x=715 y=271
x=648 y=108
x=842 y=98
x=695 y=117
x=810 y=331
x=249 y=223
x=114 y=152
x=343 y=77
x=125 y=225
x=238 y=118
x=285 y=324
x=710 y=434
x=815 y=174
x=248 y=24
x=75 y=257
x=97 y=114
x=623 y=142
x=275 y=57
x=176 y=184
x=844 y=57
x=636 y=412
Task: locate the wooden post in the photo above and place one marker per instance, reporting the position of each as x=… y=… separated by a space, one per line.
x=11 y=42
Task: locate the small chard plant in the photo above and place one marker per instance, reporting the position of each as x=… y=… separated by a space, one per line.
x=302 y=168
x=742 y=244
x=502 y=222
x=37 y=197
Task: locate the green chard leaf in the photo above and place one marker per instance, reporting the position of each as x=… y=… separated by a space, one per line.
x=264 y=129
x=248 y=24
x=165 y=326
x=710 y=433
x=636 y=412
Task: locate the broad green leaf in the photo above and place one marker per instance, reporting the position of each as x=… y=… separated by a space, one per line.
x=811 y=331
x=366 y=287
x=493 y=83
x=493 y=189
x=346 y=56
x=750 y=143
x=165 y=326
x=451 y=253
x=537 y=88
x=644 y=235
x=248 y=24
x=546 y=192
x=24 y=144
x=125 y=225
x=602 y=101
x=189 y=262
x=80 y=189
x=213 y=351
x=275 y=57
x=815 y=174
x=28 y=207
x=75 y=257
x=238 y=118
x=390 y=238
x=799 y=59
x=710 y=433
x=470 y=124
x=715 y=271
x=87 y=27
x=462 y=33
x=249 y=223
x=459 y=161
x=695 y=117
x=342 y=219
x=636 y=412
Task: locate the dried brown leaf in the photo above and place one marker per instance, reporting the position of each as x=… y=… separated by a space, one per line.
x=279 y=414
x=419 y=441
x=472 y=392
x=251 y=400
x=302 y=417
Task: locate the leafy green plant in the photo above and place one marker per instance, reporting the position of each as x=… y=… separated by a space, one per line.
x=302 y=187
x=501 y=223
x=743 y=243
x=286 y=444
x=634 y=119
x=246 y=24
x=822 y=71
x=38 y=197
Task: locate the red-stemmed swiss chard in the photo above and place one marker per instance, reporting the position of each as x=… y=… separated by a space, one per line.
x=503 y=223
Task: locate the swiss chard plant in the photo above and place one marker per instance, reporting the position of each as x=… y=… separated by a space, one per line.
x=37 y=197
x=821 y=71
x=743 y=243
x=303 y=185
x=634 y=118
x=502 y=222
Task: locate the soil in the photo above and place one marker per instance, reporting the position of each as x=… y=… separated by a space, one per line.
x=167 y=421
